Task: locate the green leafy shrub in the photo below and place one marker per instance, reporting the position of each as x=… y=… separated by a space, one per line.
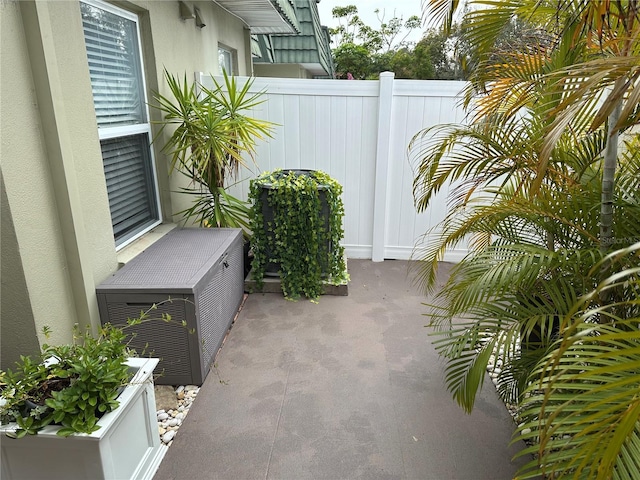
x=70 y=385
x=306 y=249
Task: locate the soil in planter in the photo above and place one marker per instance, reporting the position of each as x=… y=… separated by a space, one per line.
x=45 y=391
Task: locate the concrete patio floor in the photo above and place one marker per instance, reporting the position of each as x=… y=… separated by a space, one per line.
x=350 y=388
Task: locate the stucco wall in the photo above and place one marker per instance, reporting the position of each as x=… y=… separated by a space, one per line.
x=51 y=161
x=31 y=200
x=187 y=50
x=16 y=317
x=281 y=70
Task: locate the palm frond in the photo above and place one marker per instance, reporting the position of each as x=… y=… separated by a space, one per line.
x=525 y=186
x=439 y=12
x=583 y=403
x=498 y=302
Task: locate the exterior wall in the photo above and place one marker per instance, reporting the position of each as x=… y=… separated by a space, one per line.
x=56 y=200
x=31 y=196
x=282 y=70
x=16 y=317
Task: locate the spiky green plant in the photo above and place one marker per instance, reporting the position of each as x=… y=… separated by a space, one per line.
x=542 y=190
x=212 y=134
x=581 y=411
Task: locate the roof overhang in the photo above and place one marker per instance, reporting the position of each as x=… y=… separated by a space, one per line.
x=315 y=69
x=264 y=16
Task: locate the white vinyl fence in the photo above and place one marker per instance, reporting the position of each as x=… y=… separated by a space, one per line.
x=358 y=132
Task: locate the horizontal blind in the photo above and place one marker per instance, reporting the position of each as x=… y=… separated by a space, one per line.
x=129 y=183
x=117 y=82
x=114 y=66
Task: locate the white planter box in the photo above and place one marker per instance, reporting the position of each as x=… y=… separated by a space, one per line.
x=127 y=445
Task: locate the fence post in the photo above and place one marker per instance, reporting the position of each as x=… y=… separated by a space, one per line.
x=385 y=103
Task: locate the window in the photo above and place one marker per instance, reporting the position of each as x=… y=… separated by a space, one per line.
x=117 y=80
x=226 y=60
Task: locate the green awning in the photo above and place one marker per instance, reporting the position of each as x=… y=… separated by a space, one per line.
x=261 y=49
x=309 y=48
x=288 y=10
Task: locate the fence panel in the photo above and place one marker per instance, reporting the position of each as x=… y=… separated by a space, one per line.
x=416 y=105
x=332 y=125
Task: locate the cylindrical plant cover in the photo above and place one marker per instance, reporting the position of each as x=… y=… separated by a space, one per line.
x=296 y=220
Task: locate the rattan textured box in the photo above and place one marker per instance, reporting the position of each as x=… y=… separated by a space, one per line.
x=202 y=269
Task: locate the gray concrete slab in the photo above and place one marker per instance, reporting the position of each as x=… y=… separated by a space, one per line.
x=350 y=388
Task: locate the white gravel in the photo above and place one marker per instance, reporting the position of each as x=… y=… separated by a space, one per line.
x=169 y=421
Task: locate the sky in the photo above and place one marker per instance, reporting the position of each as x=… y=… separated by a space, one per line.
x=404 y=8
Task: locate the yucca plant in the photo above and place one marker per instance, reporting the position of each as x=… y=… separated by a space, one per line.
x=211 y=137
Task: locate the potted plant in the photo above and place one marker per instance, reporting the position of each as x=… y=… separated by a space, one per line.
x=84 y=410
x=211 y=138
x=296 y=219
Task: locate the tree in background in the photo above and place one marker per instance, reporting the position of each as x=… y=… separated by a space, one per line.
x=348 y=24
x=388 y=36
x=434 y=57
x=353 y=59
x=364 y=51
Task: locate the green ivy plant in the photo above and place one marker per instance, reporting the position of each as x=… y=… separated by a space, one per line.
x=307 y=250
x=70 y=385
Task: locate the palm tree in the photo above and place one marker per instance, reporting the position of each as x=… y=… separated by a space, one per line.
x=531 y=252
x=591 y=62
x=582 y=412
x=543 y=191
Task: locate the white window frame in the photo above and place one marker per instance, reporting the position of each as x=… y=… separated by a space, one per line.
x=106 y=133
x=233 y=57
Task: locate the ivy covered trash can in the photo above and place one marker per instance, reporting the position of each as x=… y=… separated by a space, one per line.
x=296 y=220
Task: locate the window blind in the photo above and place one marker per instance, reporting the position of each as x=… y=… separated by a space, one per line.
x=117 y=82
x=127 y=170
x=114 y=66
